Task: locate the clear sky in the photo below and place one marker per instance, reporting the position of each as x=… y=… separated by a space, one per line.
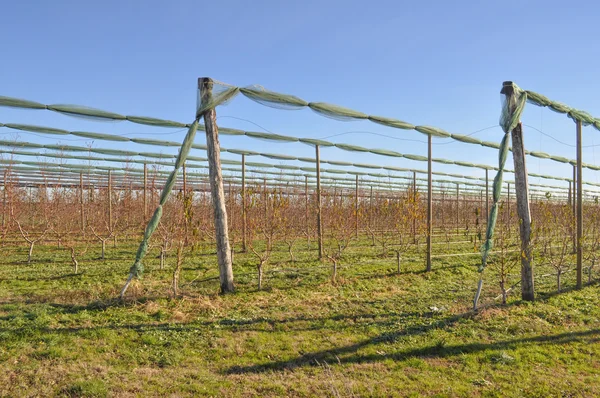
x=438 y=63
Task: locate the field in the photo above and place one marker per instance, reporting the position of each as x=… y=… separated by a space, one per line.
x=374 y=332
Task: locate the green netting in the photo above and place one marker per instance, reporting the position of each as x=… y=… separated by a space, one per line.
x=137 y=268
x=351 y=148
x=314 y=141
x=99 y=136
x=433 y=131
x=20 y=103
x=217 y=98
x=273 y=99
x=466 y=138
x=513 y=106
x=271 y=136
x=151 y=121
x=399 y=124
x=77 y=110
x=585 y=118
x=36 y=129
x=336 y=112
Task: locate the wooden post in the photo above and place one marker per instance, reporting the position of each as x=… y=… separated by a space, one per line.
x=356 y=207
x=574 y=190
x=579 y=209
x=522 y=194
x=244 y=218
x=4 y=194
x=371 y=208
x=145 y=191
x=457 y=210
x=569 y=195
x=110 y=218
x=429 y=203
x=319 y=225
x=487 y=198
x=306 y=206
x=184 y=181
x=508 y=209
x=81 y=201
x=414 y=192
x=216 y=187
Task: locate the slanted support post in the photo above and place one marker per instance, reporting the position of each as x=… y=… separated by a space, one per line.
x=319 y=224
x=205 y=86
x=522 y=195
x=429 y=204
x=244 y=217
x=579 y=209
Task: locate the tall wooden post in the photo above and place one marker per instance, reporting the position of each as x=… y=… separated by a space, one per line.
x=574 y=190
x=508 y=207
x=579 y=209
x=522 y=194
x=145 y=191
x=414 y=194
x=371 y=208
x=569 y=195
x=81 y=201
x=184 y=181
x=4 y=195
x=487 y=197
x=457 y=210
x=319 y=224
x=110 y=218
x=356 y=207
x=306 y=207
x=216 y=187
x=244 y=217
x=429 y=204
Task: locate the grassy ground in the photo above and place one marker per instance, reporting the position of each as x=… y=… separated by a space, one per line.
x=373 y=333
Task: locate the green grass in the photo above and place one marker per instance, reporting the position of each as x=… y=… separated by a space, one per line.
x=373 y=333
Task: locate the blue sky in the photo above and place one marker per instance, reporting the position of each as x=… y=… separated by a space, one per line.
x=436 y=63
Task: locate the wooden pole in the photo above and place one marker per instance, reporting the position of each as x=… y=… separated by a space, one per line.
x=306 y=206
x=457 y=211
x=414 y=193
x=569 y=195
x=487 y=197
x=244 y=218
x=579 y=210
x=110 y=218
x=319 y=224
x=145 y=191
x=522 y=194
x=184 y=181
x=81 y=201
x=429 y=203
x=4 y=194
x=356 y=207
x=574 y=190
x=508 y=209
x=205 y=86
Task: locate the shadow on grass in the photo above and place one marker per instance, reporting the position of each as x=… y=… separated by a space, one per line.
x=340 y=354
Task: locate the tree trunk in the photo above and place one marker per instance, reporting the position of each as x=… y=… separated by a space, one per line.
x=31 y=244
x=260 y=275
x=398 y=261
x=103 y=248
x=74 y=260
x=558 y=275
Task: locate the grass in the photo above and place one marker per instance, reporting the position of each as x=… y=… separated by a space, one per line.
x=373 y=333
